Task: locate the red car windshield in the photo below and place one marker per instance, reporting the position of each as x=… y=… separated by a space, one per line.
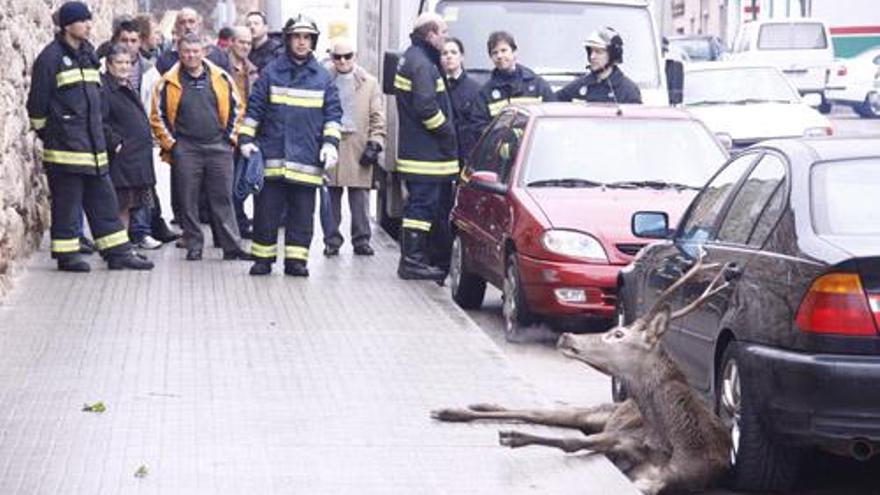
x=614 y=151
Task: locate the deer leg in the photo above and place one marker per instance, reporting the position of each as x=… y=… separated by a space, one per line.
x=599 y=442
x=591 y=419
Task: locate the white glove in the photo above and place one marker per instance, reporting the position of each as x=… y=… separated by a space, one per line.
x=247 y=149
x=329 y=156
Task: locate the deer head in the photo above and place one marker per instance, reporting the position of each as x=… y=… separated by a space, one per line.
x=629 y=350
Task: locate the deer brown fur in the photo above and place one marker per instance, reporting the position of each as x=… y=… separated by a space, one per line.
x=663 y=436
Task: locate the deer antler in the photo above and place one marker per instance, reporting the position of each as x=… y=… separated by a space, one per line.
x=713 y=288
x=697 y=267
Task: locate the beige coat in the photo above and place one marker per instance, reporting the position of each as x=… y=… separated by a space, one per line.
x=370 y=122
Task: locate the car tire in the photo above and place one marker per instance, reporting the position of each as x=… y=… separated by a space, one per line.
x=824 y=107
x=758 y=462
x=870 y=108
x=468 y=289
x=516 y=313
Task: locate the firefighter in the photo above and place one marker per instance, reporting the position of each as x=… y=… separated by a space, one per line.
x=605 y=82
x=64 y=106
x=294 y=119
x=427 y=156
x=510 y=82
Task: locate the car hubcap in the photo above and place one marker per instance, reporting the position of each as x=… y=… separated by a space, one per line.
x=731 y=405
x=509 y=307
x=455 y=266
x=874 y=103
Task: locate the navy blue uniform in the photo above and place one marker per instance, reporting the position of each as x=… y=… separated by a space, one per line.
x=616 y=88
x=520 y=86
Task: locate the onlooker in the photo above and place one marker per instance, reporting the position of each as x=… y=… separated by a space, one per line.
x=511 y=82
x=224 y=38
x=151 y=38
x=244 y=73
x=64 y=106
x=363 y=136
x=195 y=116
x=265 y=48
x=189 y=21
x=129 y=140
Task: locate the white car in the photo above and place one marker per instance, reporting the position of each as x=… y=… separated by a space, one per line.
x=744 y=103
x=855 y=83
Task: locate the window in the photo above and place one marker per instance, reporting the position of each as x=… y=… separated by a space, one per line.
x=485 y=157
x=703 y=214
x=792 y=36
x=841 y=193
x=751 y=202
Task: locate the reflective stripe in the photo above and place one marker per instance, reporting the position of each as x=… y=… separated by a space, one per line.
x=427 y=168
x=436 y=121
x=305 y=98
x=65 y=245
x=112 y=240
x=73 y=76
x=299 y=172
x=402 y=83
x=263 y=250
x=441 y=85
x=333 y=129
x=74 y=158
x=38 y=124
x=410 y=223
x=250 y=122
x=495 y=108
x=247 y=130
x=296 y=252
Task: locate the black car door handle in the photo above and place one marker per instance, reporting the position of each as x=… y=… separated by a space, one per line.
x=732 y=272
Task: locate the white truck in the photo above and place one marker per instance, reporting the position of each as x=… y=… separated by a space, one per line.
x=549 y=34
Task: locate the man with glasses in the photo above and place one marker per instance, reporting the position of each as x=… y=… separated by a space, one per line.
x=363 y=136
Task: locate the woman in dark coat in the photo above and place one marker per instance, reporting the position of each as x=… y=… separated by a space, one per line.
x=128 y=134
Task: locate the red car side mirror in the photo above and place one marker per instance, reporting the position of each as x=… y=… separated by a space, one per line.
x=485 y=180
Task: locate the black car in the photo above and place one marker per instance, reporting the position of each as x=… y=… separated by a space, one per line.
x=789 y=353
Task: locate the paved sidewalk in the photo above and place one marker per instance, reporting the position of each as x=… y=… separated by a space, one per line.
x=219 y=382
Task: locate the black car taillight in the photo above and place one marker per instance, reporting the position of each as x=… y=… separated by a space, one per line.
x=837 y=304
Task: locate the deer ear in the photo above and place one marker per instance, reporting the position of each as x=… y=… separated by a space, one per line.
x=657 y=326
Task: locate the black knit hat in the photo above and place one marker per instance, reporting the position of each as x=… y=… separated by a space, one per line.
x=72 y=12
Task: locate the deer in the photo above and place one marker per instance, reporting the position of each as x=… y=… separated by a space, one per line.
x=663 y=436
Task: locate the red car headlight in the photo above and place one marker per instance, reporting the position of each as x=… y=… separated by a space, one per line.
x=575 y=244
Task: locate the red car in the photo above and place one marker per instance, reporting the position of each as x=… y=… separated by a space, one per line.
x=548 y=193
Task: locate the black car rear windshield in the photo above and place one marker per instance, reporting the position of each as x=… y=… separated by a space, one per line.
x=841 y=194
x=622 y=152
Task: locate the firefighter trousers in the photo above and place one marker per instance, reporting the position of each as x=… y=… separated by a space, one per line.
x=422 y=204
x=269 y=207
x=71 y=194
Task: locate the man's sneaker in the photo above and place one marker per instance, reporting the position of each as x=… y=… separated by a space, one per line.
x=364 y=250
x=87 y=246
x=73 y=264
x=261 y=268
x=148 y=242
x=296 y=268
x=129 y=261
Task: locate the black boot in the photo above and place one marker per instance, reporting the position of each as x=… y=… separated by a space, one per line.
x=130 y=261
x=261 y=267
x=296 y=268
x=73 y=264
x=414 y=258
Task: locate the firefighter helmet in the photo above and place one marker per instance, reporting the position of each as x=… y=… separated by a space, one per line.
x=608 y=39
x=302 y=24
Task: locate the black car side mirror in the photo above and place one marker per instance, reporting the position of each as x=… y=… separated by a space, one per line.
x=488 y=182
x=651 y=225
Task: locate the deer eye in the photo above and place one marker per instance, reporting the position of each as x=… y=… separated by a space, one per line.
x=618 y=334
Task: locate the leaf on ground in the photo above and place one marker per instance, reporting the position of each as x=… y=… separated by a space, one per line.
x=97 y=407
x=141 y=472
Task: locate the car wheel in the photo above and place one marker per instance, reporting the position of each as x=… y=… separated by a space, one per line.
x=467 y=288
x=516 y=314
x=870 y=108
x=618 y=389
x=758 y=462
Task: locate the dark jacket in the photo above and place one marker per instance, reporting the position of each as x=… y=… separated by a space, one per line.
x=465 y=94
x=426 y=145
x=126 y=124
x=64 y=106
x=292 y=111
x=220 y=58
x=266 y=53
x=616 y=88
x=517 y=87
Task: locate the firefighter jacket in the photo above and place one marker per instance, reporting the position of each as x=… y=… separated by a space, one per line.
x=166 y=101
x=427 y=147
x=517 y=87
x=616 y=88
x=64 y=106
x=293 y=110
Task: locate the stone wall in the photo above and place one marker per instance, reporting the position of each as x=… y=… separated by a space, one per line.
x=25 y=28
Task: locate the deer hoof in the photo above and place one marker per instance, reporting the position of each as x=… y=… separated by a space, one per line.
x=486 y=407
x=512 y=439
x=452 y=415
